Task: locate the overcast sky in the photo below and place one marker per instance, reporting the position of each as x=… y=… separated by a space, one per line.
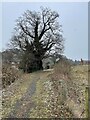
x=73 y=18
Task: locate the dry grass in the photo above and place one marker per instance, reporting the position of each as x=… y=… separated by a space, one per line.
x=68 y=82
x=56 y=95
x=62 y=70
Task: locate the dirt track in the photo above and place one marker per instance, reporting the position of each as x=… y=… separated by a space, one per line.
x=30 y=96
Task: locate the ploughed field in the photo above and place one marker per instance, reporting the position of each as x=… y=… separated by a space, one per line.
x=37 y=95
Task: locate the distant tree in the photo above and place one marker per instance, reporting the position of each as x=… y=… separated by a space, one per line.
x=38 y=33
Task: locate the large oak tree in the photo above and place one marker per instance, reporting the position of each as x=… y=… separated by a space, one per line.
x=39 y=34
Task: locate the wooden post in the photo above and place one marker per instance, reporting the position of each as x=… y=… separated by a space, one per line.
x=87 y=97
x=86 y=101
x=89 y=102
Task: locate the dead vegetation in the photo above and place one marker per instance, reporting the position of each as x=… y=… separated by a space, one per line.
x=9 y=75
x=62 y=70
x=68 y=84
x=59 y=93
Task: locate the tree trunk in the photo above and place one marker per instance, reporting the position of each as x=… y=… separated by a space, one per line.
x=39 y=64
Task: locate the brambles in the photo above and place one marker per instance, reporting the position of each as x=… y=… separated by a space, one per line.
x=59 y=80
x=62 y=70
x=9 y=75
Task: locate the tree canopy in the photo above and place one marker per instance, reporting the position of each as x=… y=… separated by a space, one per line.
x=38 y=33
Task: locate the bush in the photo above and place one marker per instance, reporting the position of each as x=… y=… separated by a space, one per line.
x=62 y=69
x=60 y=82
x=9 y=75
x=28 y=63
x=62 y=74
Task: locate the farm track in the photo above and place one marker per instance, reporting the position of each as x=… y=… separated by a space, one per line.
x=23 y=104
x=24 y=98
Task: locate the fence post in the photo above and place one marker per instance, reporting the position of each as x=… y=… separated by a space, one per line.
x=87 y=97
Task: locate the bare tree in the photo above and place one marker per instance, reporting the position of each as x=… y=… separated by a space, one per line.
x=38 y=33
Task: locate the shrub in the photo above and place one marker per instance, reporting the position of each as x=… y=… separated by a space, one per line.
x=61 y=76
x=62 y=69
x=28 y=63
x=61 y=80
x=9 y=75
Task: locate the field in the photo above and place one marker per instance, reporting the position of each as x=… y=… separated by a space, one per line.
x=37 y=95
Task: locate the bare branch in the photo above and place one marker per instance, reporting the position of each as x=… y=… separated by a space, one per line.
x=26 y=31
x=39 y=33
